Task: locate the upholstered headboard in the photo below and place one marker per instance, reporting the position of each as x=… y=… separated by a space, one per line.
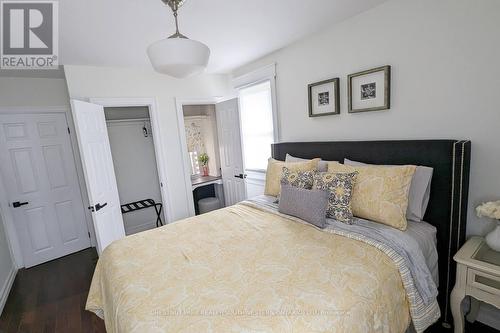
x=447 y=209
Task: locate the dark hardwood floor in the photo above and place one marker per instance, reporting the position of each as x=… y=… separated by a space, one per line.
x=477 y=327
x=51 y=298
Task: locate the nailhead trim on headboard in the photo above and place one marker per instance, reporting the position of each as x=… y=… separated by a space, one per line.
x=456 y=199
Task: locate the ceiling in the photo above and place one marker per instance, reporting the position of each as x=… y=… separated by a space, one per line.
x=117 y=32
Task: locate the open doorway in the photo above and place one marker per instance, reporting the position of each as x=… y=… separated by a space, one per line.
x=133 y=151
x=216 y=124
x=200 y=125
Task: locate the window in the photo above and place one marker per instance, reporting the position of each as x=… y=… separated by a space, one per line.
x=257 y=131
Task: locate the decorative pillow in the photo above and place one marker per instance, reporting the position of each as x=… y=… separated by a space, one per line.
x=340 y=187
x=274 y=169
x=308 y=205
x=420 y=190
x=300 y=179
x=380 y=193
x=322 y=165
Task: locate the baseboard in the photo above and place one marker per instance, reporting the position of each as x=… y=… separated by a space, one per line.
x=7 y=286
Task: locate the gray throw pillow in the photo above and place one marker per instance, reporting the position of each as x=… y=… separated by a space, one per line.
x=308 y=205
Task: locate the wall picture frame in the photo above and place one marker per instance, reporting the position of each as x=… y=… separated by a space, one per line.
x=369 y=90
x=324 y=98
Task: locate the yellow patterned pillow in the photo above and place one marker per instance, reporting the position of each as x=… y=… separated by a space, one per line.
x=380 y=193
x=275 y=167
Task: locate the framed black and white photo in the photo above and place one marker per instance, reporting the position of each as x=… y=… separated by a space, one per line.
x=369 y=90
x=324 y=98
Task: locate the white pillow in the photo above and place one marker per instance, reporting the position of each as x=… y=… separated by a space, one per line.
x=322 y=165
x=420 y=191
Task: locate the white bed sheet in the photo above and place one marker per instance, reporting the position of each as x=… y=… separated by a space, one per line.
x=425 y=235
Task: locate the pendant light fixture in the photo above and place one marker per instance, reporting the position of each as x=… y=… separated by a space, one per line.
x=177 y=55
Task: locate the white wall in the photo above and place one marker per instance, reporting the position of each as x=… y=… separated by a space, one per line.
x=85 y=82
x=136 y=172
x=6 y=263
x=445 y=82
x=256 y=183
x=7 y=268
x=38 y=92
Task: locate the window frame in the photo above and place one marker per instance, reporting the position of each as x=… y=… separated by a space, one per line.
x=267 y=73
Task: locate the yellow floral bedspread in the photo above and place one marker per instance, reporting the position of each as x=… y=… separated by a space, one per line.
x=241 y=269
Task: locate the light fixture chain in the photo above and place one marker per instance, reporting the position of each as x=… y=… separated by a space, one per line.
x=176 y=23
x=175 y=5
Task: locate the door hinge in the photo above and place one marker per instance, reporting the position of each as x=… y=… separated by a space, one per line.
x=69 y=131
x=88 y=232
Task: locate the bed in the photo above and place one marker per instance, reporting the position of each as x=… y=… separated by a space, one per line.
x=248 y=268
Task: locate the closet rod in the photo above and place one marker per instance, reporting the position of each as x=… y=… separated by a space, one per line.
x=196 y=117
x=127 y=120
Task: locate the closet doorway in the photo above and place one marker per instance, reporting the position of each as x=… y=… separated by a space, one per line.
x=100 y=154
x=133 y=151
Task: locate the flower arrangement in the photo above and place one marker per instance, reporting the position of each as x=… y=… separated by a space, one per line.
x=489 y=209
x=203 y=159
x=492 y=210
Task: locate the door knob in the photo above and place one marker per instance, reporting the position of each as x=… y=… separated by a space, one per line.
x=241 y=175
x=18 y=204
x=98 y=207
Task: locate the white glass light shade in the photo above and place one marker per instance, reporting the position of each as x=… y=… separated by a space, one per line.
x=178 y=57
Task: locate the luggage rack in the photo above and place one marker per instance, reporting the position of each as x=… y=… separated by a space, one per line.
x=143 y=204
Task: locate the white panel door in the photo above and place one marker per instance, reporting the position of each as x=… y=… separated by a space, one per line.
x=231 y=155
x=99 y=172
x=39 y=172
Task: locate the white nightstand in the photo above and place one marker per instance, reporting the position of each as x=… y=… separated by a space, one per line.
x=478 y=276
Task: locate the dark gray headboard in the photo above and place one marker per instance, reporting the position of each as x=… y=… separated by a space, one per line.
x=447 y=209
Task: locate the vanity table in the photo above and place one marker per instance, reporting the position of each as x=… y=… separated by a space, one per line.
x=205 y=180
x=207 y=186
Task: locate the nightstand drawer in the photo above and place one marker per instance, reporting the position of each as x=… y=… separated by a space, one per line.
x=483 y=281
